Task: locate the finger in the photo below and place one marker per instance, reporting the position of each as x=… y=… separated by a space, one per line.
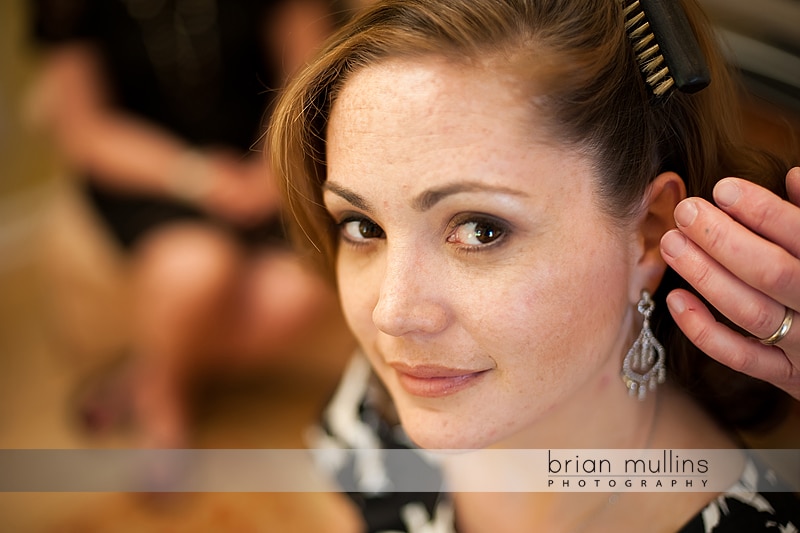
x=742 y=354
x=793 y=185
x=764 y=265
x=761 y=211
x=744 y=305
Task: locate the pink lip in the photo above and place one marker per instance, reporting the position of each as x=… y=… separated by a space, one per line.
x=431 y=381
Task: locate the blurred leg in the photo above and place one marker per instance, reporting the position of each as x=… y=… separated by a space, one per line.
x=203 y=308
x=184 y=281
x=282 y=303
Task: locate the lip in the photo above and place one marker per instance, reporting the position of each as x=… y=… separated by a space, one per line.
x=431 y=381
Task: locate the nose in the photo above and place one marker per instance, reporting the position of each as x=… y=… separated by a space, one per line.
x=411 y=299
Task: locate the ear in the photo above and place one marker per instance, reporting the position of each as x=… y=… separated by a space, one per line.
x=656 y=218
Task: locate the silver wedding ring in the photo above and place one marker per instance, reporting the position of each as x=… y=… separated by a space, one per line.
x=782 y=330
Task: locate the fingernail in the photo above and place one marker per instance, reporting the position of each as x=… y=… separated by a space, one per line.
x=685 y=213
x=726 y=193
x=676 y=303
x=793 y=175
x=673 y=243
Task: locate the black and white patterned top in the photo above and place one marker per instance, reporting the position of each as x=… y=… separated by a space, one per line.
x=355 y=424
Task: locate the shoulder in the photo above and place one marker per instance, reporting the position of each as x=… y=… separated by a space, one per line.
x=757 y=502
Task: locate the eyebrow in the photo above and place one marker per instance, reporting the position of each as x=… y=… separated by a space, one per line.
x=354 y=198
x=426 y=199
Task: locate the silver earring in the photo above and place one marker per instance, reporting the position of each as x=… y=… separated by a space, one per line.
x=643 y=366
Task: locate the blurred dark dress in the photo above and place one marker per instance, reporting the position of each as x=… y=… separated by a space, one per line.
x=198 y=68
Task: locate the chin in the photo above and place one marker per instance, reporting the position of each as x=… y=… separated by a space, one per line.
x=445 y=431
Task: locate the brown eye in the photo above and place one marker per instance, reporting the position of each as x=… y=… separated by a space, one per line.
x=486 y=233
x=360 y=229
x=477 y=233
x=369 y=230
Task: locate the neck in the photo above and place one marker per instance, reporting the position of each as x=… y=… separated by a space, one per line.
x=667 y=419
x=633 y=424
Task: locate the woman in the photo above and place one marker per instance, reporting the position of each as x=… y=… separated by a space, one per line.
x=492 y=184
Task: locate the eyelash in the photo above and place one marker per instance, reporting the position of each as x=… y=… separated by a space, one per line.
x=497 y=226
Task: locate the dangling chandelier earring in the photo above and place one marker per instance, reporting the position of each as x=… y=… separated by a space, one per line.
x=643 y=366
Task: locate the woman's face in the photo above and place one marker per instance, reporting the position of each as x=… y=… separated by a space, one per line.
x=475 y=267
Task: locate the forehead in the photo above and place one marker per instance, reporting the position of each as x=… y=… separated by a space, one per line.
x=431 y=93
x=429 y=120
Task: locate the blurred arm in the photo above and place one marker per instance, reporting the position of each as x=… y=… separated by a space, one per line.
x=121 y=151
x=72 y=103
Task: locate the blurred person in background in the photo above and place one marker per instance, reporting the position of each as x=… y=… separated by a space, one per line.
x=155 y=105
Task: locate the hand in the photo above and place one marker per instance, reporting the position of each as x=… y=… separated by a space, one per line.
x=743 y=256
x=241 y=192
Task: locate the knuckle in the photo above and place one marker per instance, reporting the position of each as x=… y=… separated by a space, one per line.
x=779 y=277
x=760 y=215
x=789 y=375
x=745 y=360
x=702 y=275
x=739 y=362
x=762 y=322
x=703 y=336
x=715 y=236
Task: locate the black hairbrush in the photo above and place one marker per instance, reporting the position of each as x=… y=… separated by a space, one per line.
x=665 y=46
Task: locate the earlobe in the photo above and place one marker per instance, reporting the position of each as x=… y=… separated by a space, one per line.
x=663 y=195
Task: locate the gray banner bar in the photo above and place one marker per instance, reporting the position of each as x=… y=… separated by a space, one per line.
x=385 y=471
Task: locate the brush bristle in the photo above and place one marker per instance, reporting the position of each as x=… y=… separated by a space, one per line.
x=648 y=54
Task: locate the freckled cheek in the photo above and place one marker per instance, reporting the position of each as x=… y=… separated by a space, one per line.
x=551 y=313
x=358 y=298
x=513 y=323
x=587 y=303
